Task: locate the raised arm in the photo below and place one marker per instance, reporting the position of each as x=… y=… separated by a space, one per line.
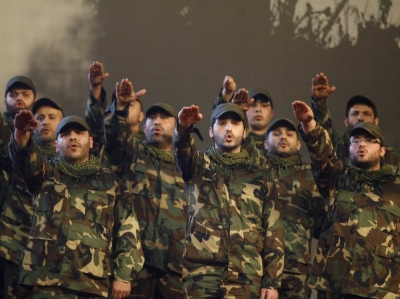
x=186 y=155
x=116 y=144
x=96 y=105
x=227 y=91
x=24 y=156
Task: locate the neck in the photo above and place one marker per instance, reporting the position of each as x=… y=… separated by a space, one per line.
x=259 y=132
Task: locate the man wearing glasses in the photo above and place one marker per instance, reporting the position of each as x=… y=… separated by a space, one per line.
x=358 y=249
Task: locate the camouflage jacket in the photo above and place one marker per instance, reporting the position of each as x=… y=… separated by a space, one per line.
x=341 y=144
x=302 y=210
x=359 y=245
x=6 y=131
x=232 y=221
x=84 y=233
x=158 y=190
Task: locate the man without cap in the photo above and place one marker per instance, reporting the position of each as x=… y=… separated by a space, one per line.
x=359 y=244
x=20 y=93
x=259 y=113
x=302 y=207
x=234 y=239
x=149 y=170
x=84 y=241
x=16 y=216
x=97 y=104
x=358 y=109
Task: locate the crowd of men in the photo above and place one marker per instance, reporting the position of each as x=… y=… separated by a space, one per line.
x=105 y=208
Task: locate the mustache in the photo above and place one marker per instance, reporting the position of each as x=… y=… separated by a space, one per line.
x=74 y=143
x=285 y=141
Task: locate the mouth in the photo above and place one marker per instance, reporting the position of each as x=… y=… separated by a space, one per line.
x=229 y=137
x=74 y=146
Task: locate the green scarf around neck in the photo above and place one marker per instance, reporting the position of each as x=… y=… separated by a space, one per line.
x=78 y=171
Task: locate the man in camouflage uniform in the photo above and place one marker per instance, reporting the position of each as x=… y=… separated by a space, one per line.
x=358 y=109
x=16 y=216
x=97 y=104
x=302 y=207
x=84 y=241
x=20 y=93
x=259 y=112
x=151 y=175
x=358 y=249
x=234 y=239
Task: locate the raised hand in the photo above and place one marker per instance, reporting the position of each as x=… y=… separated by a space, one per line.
x=302 y=111
x=96 y=74
x=241 y=98
x=320 y=87
x=125 y=93
x=24 y=121
x=189 y=116
x=229 y=87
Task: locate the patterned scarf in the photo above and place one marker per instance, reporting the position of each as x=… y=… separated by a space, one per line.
x=78 y=171
x=165 y=156
x=284 y=162
x=383 y=175
x=229 y=160
x=47 y=151
x=257 y=139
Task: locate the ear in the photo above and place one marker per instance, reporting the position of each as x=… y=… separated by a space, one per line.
x=346 y=122
x=144 y=127
x=91 y=142
x=376 y=121
x=382 y=151
x=298 y=145
x=56 y=145
x=210 y=132
x=266 y=144
x=141 y=116
x=244 y=133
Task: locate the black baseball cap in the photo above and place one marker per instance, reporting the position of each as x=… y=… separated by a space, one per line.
x=45 y=102
x=228 y=107
x=20 y=80
x=163 y=107
x=69 y=120
x=370 y=128
x=359 y=99
x=281 y=122
x=262 y=94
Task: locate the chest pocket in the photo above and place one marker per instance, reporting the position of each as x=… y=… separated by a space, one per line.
x=99 y=208
x=138 y=182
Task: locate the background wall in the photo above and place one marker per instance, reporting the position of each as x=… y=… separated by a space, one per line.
x=181 y=50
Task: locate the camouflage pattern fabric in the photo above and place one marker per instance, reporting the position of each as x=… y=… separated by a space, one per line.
x=303 y=212
x=159 y=197
x=233 y=223
x=60 y=292
x=84 y=233
x=341 y=144
x=359 y=243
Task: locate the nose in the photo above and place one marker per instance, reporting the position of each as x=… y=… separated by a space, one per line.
x=228 y=126
x=257 y=107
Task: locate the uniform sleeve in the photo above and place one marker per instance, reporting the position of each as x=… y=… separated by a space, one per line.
x=219 y=100
x=118 y=147
x=5 y=137
x=94 y=118
x=323 y=117
x=186 y=155
x=326 y=166
x=274 y=243
x=28 y=164
x=127 y=248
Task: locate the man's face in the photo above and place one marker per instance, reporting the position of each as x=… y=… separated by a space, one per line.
x=18 y=99
x=359 y=113
x=159 y=129
x=48 y=119
x=73 y=144
x=366 y=154
x=282 y=142
x=135 y=115
x=260 y=114
x=228 y=132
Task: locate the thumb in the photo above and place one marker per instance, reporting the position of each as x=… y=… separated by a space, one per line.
x=140 y=93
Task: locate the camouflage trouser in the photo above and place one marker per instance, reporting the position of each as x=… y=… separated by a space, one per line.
x=43 y=292
x=294 y=287
x=153 y=283
x=13 y=290
x=212 y=282
x=330 y=295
